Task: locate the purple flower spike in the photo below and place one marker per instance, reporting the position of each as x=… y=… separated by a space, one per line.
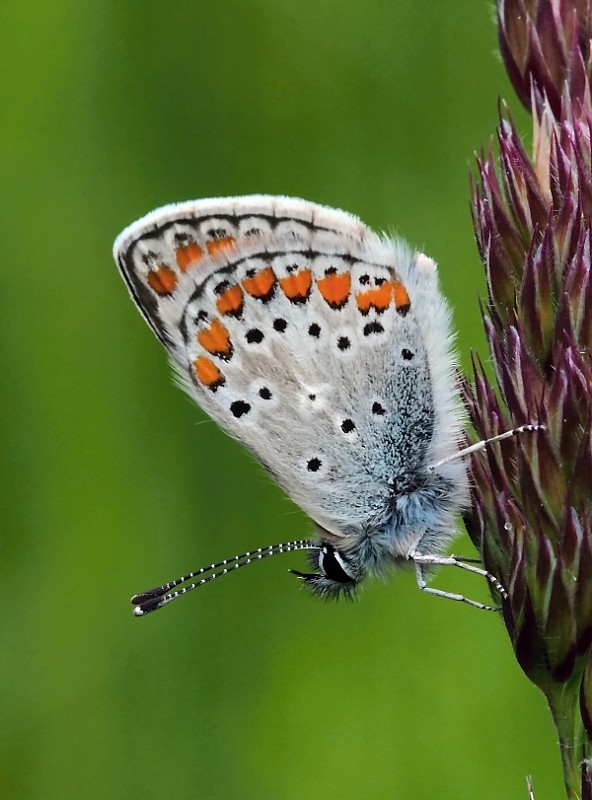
x=532 y=498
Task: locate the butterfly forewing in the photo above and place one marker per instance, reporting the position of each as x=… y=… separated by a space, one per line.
x=294 y=327
x=164 y=254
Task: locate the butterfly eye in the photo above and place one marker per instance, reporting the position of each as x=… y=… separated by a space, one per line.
x=336 y=577
x=334 y=566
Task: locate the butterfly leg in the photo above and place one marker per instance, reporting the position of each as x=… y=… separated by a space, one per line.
x=455 y=561
x=421 y=562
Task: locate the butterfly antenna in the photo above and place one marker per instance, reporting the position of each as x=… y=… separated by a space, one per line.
x=152 y=599
x=474 y=448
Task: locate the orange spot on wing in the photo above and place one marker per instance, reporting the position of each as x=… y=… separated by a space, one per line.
x=378 y=298
x=215 y=339
x=188 y=254
x=296 y=287
x=261 y=285
x=162 y=280
x=335 y=289
x=207 y=373
x=231 y=301
x=217 y=246
x=402 y=301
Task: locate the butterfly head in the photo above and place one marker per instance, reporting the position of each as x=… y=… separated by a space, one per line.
x=337 y=575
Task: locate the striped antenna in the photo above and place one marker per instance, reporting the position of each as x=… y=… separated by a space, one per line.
x=152 y=599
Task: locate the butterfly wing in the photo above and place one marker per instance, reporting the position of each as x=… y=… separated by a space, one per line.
x=295 y=327
x=163 y=255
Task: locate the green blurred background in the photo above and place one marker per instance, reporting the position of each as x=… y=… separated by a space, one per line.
x=113 y=481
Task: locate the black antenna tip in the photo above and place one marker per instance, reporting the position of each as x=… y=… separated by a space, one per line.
x=149 y=594
x=147 y=606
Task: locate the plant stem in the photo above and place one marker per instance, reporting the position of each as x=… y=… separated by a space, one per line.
x=564 y=706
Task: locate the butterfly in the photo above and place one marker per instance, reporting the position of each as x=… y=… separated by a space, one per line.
x=326 y=350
